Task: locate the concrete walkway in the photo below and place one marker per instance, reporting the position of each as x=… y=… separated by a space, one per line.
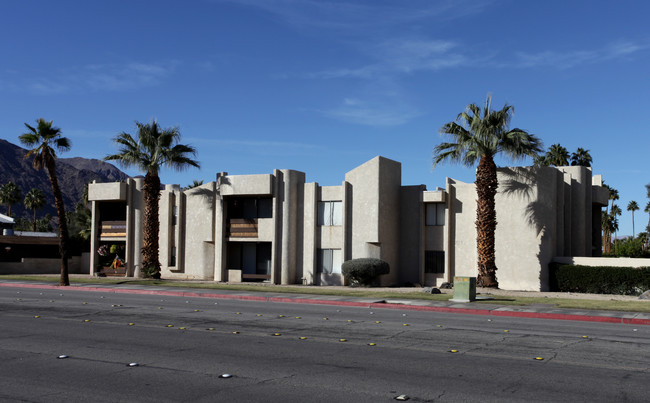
x=539 y=311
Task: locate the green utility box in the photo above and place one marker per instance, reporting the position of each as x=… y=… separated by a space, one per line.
x=464 y=289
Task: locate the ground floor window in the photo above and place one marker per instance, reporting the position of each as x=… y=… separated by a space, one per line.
x=329 y=261
x=434 y=261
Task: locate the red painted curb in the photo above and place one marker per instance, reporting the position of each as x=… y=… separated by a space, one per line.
x=378 y=305
x=557 y=316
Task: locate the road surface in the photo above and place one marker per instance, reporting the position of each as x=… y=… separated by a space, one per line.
x=180 y=347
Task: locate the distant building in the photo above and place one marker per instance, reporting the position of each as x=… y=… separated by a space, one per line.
x=278 y=228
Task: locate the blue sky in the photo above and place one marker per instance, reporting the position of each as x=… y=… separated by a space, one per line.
x=323 y=86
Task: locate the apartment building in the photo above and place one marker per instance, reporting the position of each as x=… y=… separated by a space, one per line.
x=278 y=228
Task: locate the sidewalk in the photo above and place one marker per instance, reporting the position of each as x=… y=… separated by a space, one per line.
x=539 y=311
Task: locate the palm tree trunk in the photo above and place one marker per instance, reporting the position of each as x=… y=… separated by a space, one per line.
x=63 y=224
x=151 y=226
x=486 y=221
x=34 y=222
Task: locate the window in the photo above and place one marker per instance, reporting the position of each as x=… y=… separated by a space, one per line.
x=435 y=214
x=174 y=215
x=172 y=258
x=434 y=261
x=250 y=208
x=330 y=213
x=329 y=261
x=250 y=257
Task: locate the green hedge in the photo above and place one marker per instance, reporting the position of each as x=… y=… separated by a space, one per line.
x=599 y=280
x=364 y=271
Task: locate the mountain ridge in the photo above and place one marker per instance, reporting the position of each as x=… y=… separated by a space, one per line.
x=72 y=173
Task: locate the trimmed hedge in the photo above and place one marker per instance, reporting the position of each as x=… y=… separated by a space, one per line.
x=364 y=271
x=599 y=280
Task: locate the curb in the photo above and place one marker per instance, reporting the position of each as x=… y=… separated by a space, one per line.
x=374 y=305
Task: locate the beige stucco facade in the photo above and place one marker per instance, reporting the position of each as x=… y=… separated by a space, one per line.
x=279 y=228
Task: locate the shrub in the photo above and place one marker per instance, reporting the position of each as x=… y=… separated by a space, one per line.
x=599 y=280
x=364 y=271
x=629 y=247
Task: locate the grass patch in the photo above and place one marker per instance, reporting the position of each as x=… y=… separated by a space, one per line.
x=570 y=303
x=418 y=294
x=311 y=290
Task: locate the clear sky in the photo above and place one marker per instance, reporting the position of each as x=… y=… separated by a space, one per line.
x=323 y=86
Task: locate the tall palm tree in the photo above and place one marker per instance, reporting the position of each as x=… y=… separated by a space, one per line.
x=615 y=211
x=152 y=149
x=34 y=200
x=9 y=195
x=632 y=206
x=557 y=155
x=46 y=140
x=479 y=134
x=581 y=158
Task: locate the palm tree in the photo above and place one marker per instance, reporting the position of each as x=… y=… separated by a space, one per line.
x=557 y=155
x=615 y=212
x=153 y=149
x=195 y=183
x=9 y=195
x=581 y=158
x=479 y=135
x=34 y=200
x=632 y=206
x=45 y=139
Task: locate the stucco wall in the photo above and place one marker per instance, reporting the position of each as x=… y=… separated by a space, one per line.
x=246 y=185
x=198 y=242
x=526 y=214
x=411 y=235
x=462 y=218
x=603 y=261
x=115 y=191
x=76 y=265
x=374 y=215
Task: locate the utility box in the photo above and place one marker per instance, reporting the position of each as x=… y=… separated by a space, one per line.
x=464 y=289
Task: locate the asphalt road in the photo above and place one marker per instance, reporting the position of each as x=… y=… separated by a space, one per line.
x=280 y=352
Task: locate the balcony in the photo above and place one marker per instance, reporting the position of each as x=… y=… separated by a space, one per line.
x=112 y=231
x=242 y=228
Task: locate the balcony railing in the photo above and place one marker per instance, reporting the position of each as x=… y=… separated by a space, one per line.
x=112 y=229
x=242 y=228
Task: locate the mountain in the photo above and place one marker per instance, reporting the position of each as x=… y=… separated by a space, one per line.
x=73 y=174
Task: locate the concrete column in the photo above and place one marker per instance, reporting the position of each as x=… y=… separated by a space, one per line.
x=180 y=232
x=94 y=235
x=292 y=183
x=136 y=203
x=220 y=241
x=309 y=230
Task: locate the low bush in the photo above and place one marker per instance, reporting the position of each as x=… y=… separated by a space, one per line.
x=364 y=271
x=599 y=280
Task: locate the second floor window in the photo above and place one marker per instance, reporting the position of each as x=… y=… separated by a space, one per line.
x=435 y=214
x=330 y=213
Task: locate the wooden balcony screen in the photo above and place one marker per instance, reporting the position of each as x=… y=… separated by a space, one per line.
x=242 y=228
x=113 y=229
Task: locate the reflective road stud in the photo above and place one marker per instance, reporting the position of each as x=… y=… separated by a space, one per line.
x=343 y=340
x=539 y=358
x=372 y=344
x=453 y=351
